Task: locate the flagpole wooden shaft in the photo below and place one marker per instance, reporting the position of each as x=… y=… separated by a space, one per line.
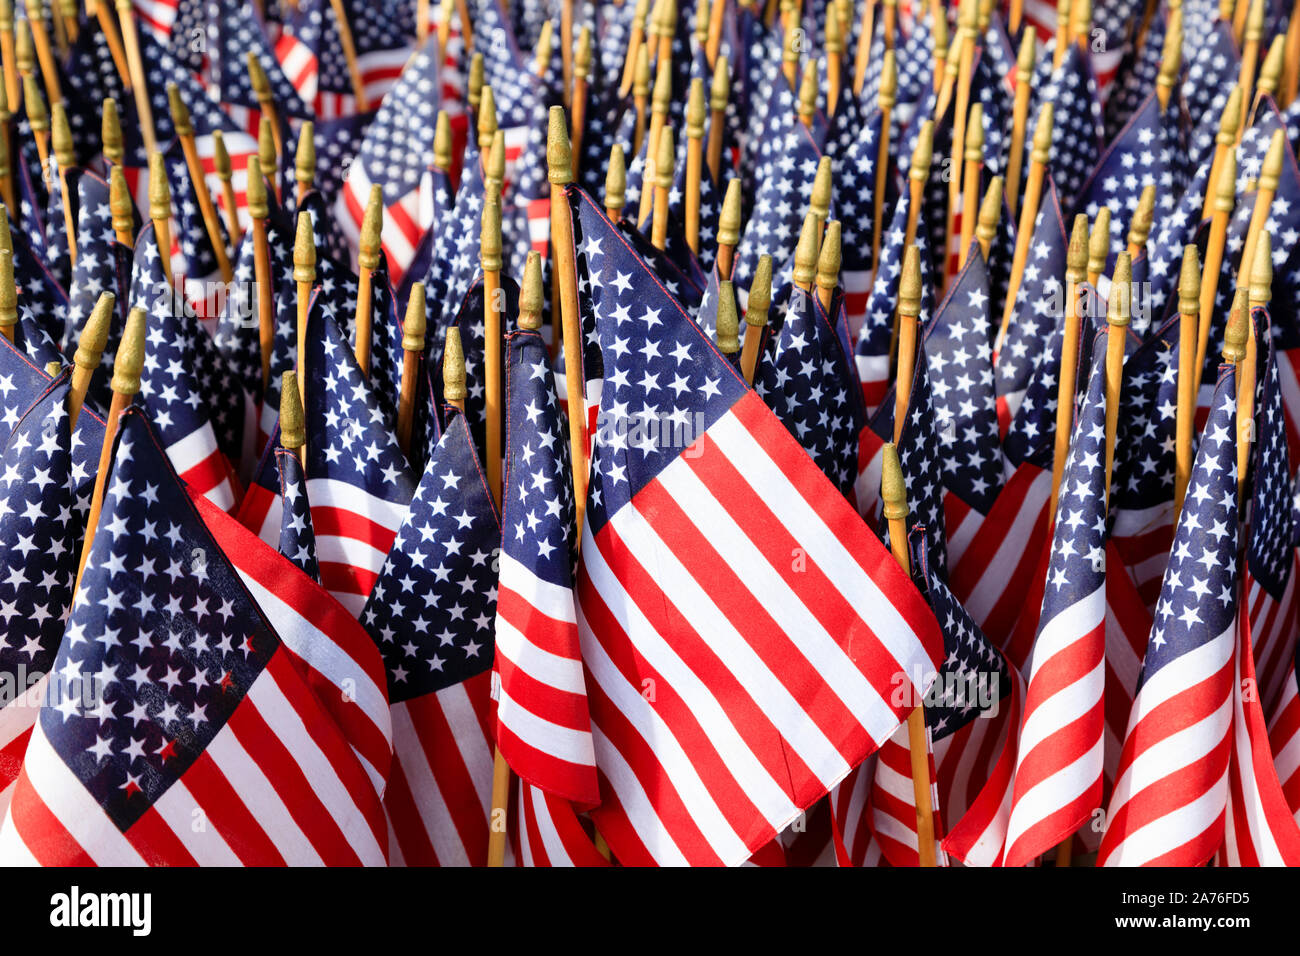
x=44 y=53
x=1185 y=420
x=108 y=26
x=131 y=42
x=1291 y=59
x=119 y=404
x=1024 y=235
x=1210 y=286
x=917 y=190
x=206 y=207
x=350 y=54
x=1065 y=390
x=265 y=303
x=862 y=55
x=9 y=54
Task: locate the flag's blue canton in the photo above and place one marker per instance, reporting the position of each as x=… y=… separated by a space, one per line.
x=756 y=74
x=40 y=534
x=874 y=338
x=856 y=192
x=919 y=454
x=845 y=124
x=193 y=19
x=990 y=90
x=1137 y=76
x=1213 y=65
x=1076 y=129
x=191 y=232
x=348 y=439
x=238 y=331
x=710 y=207
x=1148 y=152
x=504 y=66
x=1270 y=554
x=22 y=382
x=432 y=248
x=1033 y=427
x=1170 y=234
x=238 y=33
x=57 y=257
x=1144 y=444
x=162 y=68
x=398 y=144
x=1077 y=565
x=103 y=265
x=90 y=76
x=1039 y=300
x=297 y=539
x=1198 y=595
x=680 y=274
x=538 y=515
x=806 y=380
x=186 y=383
x=665 y=383
x=959 y=355
x=528 y=16
x=162 y=630
x=459 y=262
x=973 y=669
x=432 y=610
x=42 y=303
x=338 y=141
x=385 y=342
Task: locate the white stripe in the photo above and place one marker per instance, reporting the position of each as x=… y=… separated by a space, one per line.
x=1252 y=811
x=194 y=449
x=556 y=852
x=347 y=813
x=333 y=493
x=258 y=795
x=635 y=804
x=552 y=739
x=1053 y=792
x=1173 y=829
x=1183 y=672
x=71 y=803
x=1069 y=703
x=554 y=601
x=543 y=666
x=180 y=811
x=473 y=747
x=13 y=851
x=17 y=717
x=823 y=548
x=410 y=756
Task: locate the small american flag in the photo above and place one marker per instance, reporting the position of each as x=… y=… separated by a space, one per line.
x=716 y=774
x=196 y=704
x=1077 y=131
x=544 y=728
x=1167 y=806
x=431 y=614
x=297 y=539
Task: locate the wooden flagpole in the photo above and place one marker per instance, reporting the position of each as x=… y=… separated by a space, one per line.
x=1080 y=22
x=1236 y=349
x=1259 y=294
x=713 y=39
x=24 y=53
x=581 y=78
x=258 y=210
x=1270 y=73
x=350 y=54
x=120 y=208
x=1099 y=246
x=862 y=55
x=640 y=97
x=6 y=152
x=1038 y=157
x=1118 y=315
x=1062 y=33
x=454 y=391
x=1224 y=141
x=990 y=213
x=1269 y=175
x=99 y=9
x=111 y=133
x=718 y=94
x=131 y=41
x=293 y=420
x=971 y=188
x=893 y=492
x=493 y=336
x=38 y=118
x=1189 y=306
x=372 y=225
x=729 y=229
x=829 y=258
x=304 y=277
x=908 y=310
x=8 y=52
x=917 y=175
x=756 y=309
x=8 y=295
x=90 y=352
x=1250 y=52
x=128 y=363
x=1224 y=200
x=1140 y=226
x=694 y=162
x=261 y=84
x=806 y=252
x=727 y=329
x=790 y=43
x=225 y=175
x=663 y=184
x=807 y=106
x=888 y=98
x=966 y=32
x=413 y=331
x=615 y=184
x=65 y=157
x=1075 y=274
x=160 y=211
x=660 y=103
x=304 y=160
x=185 y=132
x=44 y=52
x=1171 y=60
x=634 y=45
x=834 y=59
x=939 y=34
x=951 y=65
x=269 y=157
x=1020 y=117
x=890 y=23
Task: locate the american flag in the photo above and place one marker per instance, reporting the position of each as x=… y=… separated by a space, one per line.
x=237 y=32
x=971 y=720
x=190 y=701
x=1167 y=806
x=1111 y=20
x=394 y=155
x=48 y=474
x=550 y=832
x=1077 y=130
x=1059 y=765
x=872 y=350
x=103 y=265
x=544 y=728
x=856 y=209
x=358 y=480
x=310 y=51
x=198 y=412
x=805 y=377
x=1137 y=75
x=42 y=304
x=1213 y=66
x=431 y=614
x=706 y=773
x=297 y=538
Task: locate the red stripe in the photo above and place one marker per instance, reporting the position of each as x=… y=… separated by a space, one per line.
x=155 y=841
x=341 y=523
x=227 y=812
x=41 y=831
x=407 y=826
